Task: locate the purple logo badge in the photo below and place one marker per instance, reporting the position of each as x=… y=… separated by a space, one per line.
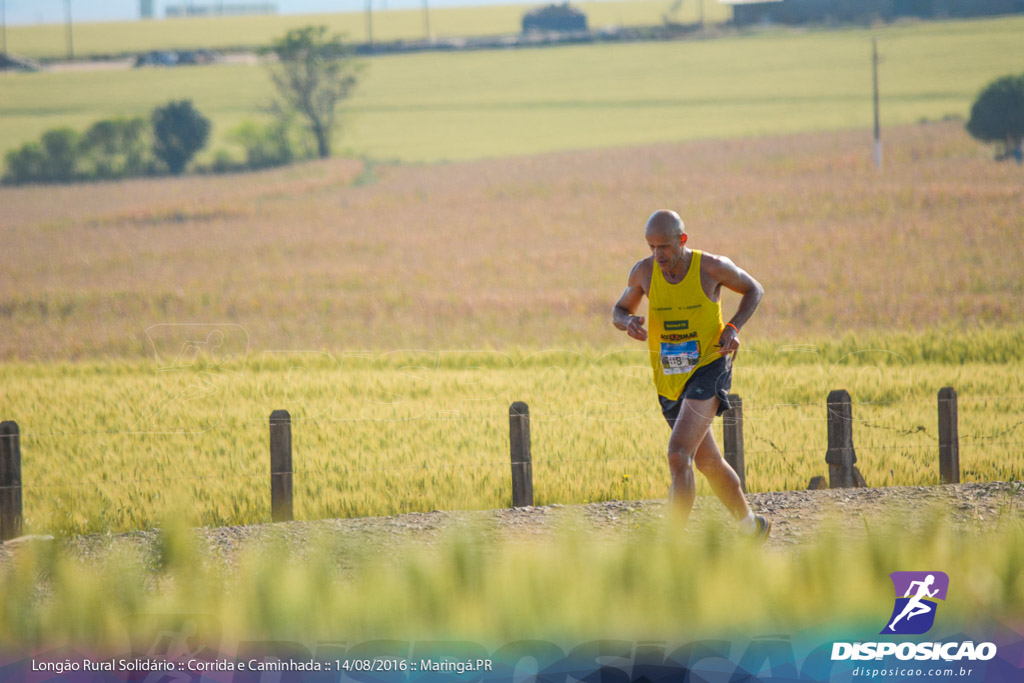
x=916 y=596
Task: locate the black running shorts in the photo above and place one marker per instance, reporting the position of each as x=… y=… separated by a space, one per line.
x=714 y=379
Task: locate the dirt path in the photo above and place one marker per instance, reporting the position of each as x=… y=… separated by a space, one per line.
x=795 y=515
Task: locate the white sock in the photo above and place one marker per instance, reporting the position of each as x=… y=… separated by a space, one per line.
x=748 y=524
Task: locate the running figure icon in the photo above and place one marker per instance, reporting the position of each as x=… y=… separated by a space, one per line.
x=916 y=605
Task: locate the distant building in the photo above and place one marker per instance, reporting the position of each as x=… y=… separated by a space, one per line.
x=218 y=9
x=146 y=9
x=747 y=12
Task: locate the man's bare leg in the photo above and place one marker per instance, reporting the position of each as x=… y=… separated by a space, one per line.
x=723 y=479
x=691 y=427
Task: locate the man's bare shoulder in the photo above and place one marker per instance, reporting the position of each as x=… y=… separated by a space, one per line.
x=641 y=273
x=716 y=265
x=718 y=270
x=643 y=266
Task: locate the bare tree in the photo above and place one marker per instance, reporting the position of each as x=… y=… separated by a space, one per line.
x=313 y=73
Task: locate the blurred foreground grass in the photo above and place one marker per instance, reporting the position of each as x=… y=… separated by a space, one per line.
x=650 y=582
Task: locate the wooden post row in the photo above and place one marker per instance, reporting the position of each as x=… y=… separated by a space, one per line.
x=732 y=438
x=10 y=481
x=522 y=464
x=281 y=466
x=949 y=438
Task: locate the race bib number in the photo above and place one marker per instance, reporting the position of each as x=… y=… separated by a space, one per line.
x=679 y=359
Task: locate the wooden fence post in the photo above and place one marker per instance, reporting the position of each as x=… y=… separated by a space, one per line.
x=281 y=466
x=732 y=438
x=949 y=437
x=840 y=455
x=10 y=481
x=522 y=465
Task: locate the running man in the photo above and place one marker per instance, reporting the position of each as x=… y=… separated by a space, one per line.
x=915 y=605
x=690 y=354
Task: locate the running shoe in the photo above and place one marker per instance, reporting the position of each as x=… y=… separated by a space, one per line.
x=764 y=527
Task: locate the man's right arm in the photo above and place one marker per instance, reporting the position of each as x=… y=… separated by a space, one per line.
x=622 y=315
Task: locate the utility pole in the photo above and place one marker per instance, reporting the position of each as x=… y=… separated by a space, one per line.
x=874 y=78
x=71 y=43
x=426 y=18
x=3 y=26
x=701 y=14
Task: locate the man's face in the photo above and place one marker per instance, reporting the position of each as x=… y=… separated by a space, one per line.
x=667 y=249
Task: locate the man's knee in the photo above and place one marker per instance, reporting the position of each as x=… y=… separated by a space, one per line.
x=680 y=459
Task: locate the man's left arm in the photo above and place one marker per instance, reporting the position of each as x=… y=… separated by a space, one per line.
x=731 y=276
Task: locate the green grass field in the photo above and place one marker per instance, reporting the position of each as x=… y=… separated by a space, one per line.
x=435 y=106
x=248 y=31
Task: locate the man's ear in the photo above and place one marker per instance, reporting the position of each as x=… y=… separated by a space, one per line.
x=682 y=240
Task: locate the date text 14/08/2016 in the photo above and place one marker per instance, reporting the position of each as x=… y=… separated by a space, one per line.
x=456 y=667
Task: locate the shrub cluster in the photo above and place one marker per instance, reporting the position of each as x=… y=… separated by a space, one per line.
x=166 y=142
x=279 y=142
x=113 y=148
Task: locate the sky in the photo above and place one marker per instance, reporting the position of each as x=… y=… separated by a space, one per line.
x=51 y=11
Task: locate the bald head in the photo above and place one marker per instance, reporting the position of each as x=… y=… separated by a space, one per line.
x=665 y=223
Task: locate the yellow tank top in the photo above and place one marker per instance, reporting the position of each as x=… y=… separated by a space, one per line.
x=683 y=326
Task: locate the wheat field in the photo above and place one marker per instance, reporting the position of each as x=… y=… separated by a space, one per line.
x=115 y=446
x=397 y=318
x=523 y=252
